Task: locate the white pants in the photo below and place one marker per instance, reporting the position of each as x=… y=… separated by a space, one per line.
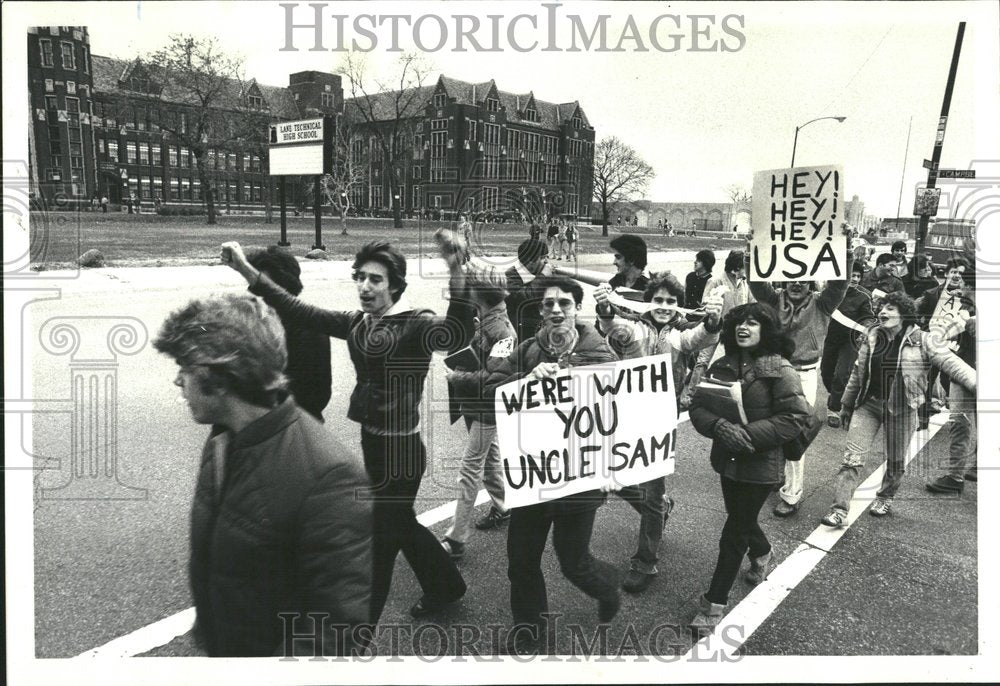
x=791 y=492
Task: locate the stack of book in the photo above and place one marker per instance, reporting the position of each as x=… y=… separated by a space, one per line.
x=724 y=398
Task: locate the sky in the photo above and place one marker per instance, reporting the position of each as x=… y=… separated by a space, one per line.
x=703 y=119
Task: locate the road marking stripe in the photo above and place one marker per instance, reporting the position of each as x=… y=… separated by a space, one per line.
x=762 y=601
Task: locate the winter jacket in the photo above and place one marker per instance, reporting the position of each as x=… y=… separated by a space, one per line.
x=591 y=348
x=889 y=283
x=494 y=337
x=775 y=407
x=806 y=322
x=391 y=354
x=856 y=306
x=308 y=370
x=694 y=289
x=679 y=337
x=916 y=286
x=917 y=353
x=523 y=301
x=282 y=531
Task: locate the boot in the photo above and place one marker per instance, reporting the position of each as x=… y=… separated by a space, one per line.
x=708 y=617
x=760 y=567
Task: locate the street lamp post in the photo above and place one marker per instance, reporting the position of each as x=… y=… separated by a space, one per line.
x=799 y=128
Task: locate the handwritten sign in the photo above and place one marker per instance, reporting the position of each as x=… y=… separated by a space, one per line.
x=586 y=427
x=797 y=215
x=946 y=321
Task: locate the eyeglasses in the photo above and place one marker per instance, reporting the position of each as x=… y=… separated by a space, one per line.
x=565 y=304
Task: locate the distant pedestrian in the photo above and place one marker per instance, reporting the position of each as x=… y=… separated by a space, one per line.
x=534 y=231
x=562 y=240
x=695 y=281
x=572 y=236
x=312 y=552
x=129 y=203
x=104 y=204
x=553 y=237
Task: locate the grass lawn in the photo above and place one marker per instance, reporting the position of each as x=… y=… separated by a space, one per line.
x=58 y=238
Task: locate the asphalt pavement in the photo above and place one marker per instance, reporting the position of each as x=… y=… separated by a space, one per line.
x=112 y=564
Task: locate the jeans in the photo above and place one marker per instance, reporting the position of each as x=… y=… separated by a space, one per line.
x=962 y=448
x=647 y=499
x=481 y=451
x=740 y=534
x=528 y=531
x=791 y=492
x=866 y=421
x=836 y=368
x=395 y=465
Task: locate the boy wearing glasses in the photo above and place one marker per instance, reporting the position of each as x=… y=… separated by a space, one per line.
x=563 y=340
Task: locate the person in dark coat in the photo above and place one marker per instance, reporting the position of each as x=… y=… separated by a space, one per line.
x=919 y=277
x=390 y=344
x=694 y=283
x=278 y=536
x=630 y=261
x=308 y=371
x=562 y=341
x=524 y=289
x=748 y=457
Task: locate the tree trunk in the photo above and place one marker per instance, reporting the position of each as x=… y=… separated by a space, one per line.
x=206 y=188
x=604 y=219
x=343 y=221
x=268 y=205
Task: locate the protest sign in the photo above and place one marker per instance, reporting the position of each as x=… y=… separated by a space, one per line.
x=946 y=322
x=585 y=427
x=797 y=215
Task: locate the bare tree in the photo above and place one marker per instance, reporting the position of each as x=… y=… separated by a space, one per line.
x=738 y=196
x=210 y=107
x=620 y=174
x=391 y=110
x=350 y=169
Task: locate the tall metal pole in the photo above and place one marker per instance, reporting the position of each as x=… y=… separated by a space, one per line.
x=284 y=225
x=902 y=174
x=795 y=144
x=317 y=209
x=932 y=173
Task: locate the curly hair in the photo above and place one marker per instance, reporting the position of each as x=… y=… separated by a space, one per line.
x=389 y=257
x=661 y=280
x=773 y=338
x=232 y=341
x=906 y=305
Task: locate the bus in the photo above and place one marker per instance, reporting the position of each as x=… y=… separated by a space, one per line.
x=949 y=238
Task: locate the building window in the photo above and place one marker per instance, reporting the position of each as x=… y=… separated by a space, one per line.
x=143 y=153
x=73 y=111
x=255 y=163
x=175 y=189
x=100 y=146
x=86 y=59
x=45 y=46
x=246 y=161
x=49 y=86
x=416 y=171
x=531 y=114
x=147 y=188
x=71 y=87
x=196 y=190
x=439 y=125
x=577 y=122
x=185 y=158
x=157 y=186
x=255 y=101
x=183 y=122
x=51 y=102
x=231 y=161
x=472 y=130
x=210 y=160
x=327 y=100
x=185 y=188
x=130 y=151
x=492 y=105
x=113 y=151
x=154 y=154
x=172 y=155
x=440 y=100
x=68 y=58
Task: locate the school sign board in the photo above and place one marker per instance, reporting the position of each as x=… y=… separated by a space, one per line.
x=797 y=225
x=586 y=427
x=303 y=147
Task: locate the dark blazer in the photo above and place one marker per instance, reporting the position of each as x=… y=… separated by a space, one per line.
x=284 y=532
x=776 y=408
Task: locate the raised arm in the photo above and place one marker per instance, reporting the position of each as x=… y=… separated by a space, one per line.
x=833 y=293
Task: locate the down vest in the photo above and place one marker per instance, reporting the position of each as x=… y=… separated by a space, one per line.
x=776 y=409
x=284 y=532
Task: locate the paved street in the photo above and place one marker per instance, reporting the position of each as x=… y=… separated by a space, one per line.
x=106 y=567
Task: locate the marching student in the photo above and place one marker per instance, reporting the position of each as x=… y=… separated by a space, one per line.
x=390 y=344
x=886 y=388
x=920 y=277
x=309 y=377
x=493 y=339
x=572 y=236
x=853 y=317
x=630 y=261
x=311 y=554
x=882 y=278
x=663 y=329
x=563 y=340
x=748 y=457
x=525 y=288
x=695 y=282
x=805 y=318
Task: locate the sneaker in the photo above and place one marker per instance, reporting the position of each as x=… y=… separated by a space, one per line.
x=668 y=507
x=783 y=509
x=760 y=567
x=455 y=549
x=881 y=508
x=835 y=518
x=493 y=519
x=708 y=617
x=833 y=419
x=945 y=484
x=428 y=605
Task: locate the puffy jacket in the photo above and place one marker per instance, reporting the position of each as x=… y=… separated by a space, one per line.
x=391 y=354
x=591 y=348
x=468 y=386
x=856 y=306
x=806 y=322
x=283 y=532
x=679 y=337
x=917 y=353
x=775 y=407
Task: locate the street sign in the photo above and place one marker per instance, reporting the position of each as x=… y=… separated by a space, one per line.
x=927 y=201
x=956 y=173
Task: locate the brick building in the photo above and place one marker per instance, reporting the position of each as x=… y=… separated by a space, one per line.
x=469 y=146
